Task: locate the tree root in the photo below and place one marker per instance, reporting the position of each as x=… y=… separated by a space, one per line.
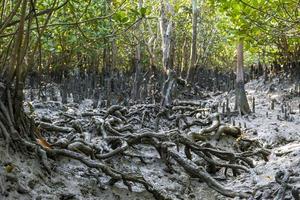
x=114 y=174
x=119 y=135
x=50 y=127
x=217 y=128
x=116 y=151
x=228 y=130
x=195 y=171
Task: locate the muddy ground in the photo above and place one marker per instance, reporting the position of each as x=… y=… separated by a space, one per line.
x=276 y=129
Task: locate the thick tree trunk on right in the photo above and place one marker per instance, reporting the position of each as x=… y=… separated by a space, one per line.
x=241 y=102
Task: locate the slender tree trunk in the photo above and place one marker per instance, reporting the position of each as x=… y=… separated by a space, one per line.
x=64 y=90
x=137 y=64
x=107 y=62
x=166 y=30
x=151 y=44
x=184 y=49
x=137 y=61
x=20 y=48
x=194 y=39
x=14 y=124
x=107 y=74
x=241 y=98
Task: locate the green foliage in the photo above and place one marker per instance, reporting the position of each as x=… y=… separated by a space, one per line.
x=262 y=25
x=269 y=28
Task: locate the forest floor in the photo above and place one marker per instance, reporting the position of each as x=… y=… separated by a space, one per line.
x=70 y=179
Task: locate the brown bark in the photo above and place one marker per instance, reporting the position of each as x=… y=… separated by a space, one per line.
x=17 y=60
x=241 y=98
x=10 y=16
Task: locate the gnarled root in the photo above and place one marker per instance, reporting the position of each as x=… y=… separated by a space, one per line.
x=114 y=174
x=215 y=118
x=217 y=128
x=228 y=130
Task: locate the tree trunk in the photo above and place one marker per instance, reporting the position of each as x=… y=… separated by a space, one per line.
x=137 y=60
x=107 y=74
x=166 y=30
x=14 y=125
x=184 y=58
x=137 y=64
x=194 y=39
x=167 y=89
x=241 y=98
